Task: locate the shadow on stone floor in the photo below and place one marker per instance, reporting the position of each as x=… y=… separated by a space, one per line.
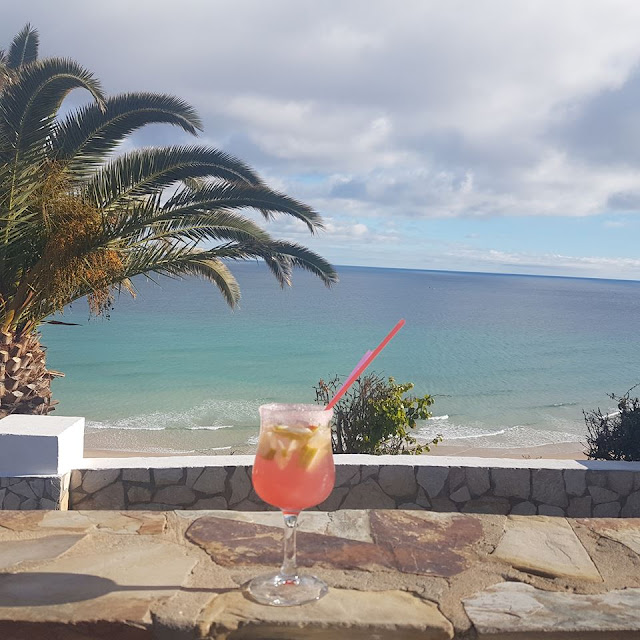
x=40 y=588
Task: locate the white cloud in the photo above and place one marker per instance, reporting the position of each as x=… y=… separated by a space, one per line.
x=373 y=110
x=589 y=266
x=437 y=109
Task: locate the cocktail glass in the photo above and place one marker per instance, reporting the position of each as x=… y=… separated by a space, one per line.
x=293 y=470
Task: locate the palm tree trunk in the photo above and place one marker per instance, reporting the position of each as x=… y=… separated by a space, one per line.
x=25 y=382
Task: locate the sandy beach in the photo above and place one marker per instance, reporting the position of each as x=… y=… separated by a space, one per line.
x=557 y=451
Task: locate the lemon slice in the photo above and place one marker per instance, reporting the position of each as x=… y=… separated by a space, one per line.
x=316 y=447
x=284 y=452
x=295 y=433
x=266 y=446
x=310 y=457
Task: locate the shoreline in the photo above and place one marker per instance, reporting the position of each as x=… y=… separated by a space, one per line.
x=554 y=451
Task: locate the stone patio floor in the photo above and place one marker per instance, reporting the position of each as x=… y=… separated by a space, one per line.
x=134 y=575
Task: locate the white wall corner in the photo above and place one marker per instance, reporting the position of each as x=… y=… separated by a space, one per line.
x=40 y=445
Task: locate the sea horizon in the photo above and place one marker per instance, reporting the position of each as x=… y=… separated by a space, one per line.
x=487 y=273
x=512 y=359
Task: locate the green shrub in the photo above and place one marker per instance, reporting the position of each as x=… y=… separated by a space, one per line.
x=374 y=416
x=615 y=436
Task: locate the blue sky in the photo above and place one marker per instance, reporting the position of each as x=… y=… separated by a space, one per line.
x=478 y=136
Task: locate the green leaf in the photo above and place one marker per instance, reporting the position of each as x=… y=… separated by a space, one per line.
x=237 y=195
x=147 y=171
x=23 y=49
x=27 y=110
x=85 y=137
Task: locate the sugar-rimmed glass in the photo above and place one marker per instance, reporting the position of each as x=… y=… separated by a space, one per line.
x=293 y=470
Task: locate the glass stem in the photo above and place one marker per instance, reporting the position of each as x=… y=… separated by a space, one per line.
x=288 y=571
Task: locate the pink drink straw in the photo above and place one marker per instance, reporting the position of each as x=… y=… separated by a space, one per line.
x=343 y=388
x=363 y=364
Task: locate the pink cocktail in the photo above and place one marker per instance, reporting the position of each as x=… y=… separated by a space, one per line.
x=293 y=470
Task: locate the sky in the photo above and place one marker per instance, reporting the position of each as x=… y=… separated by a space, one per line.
x=491 y=135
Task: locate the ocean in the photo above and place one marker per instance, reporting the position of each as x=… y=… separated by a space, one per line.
x=511 y=360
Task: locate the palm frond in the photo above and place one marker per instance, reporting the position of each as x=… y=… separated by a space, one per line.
x=191 y=228
x=177 y=260
x=23 y=49
x=147 y=171
x=27 y=109
x=29 y=105
x=280 y=256
x=241 y=196
x=212 y=270
x=281 y=268
x=75 y=222
x=306 y=259
x=5 y=72
x=86 y=136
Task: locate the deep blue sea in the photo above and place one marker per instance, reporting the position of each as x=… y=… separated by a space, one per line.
x=512 y=360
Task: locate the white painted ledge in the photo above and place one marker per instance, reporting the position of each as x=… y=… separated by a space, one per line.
x=172 y=462
x=40 y=445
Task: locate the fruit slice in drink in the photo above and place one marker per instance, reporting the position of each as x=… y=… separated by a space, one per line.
x=293 y=469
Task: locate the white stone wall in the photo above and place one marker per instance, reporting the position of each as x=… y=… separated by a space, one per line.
x=470 y=485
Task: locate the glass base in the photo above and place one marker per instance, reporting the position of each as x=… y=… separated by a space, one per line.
x=277 y=591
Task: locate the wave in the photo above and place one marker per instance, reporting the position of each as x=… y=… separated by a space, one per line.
x=209 y=416
x=199 y=450
x=222 y=426
x=114 y=425
x=444 y=417
x=498 y=436
x=559 y=404
x=122 y=424
x=488 y=434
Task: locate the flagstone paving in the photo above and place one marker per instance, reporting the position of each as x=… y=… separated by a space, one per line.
x=393 y=574
x=516 y=608
x=545 y=547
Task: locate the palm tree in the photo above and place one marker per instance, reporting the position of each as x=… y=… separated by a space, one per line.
x=23 y=51
x=77 y=220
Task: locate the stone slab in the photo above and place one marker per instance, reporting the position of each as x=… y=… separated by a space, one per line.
x=487 y=504
x=545 y=546
x=511 y=483
x=514 y=610
x=93 y=481
x=412 y=543
x=16 y=552
x=240 y=485
x=16 y=629
x=342 y=613
x=231 y=542
x=426 y=543
x=478 y=481
x=575 y=481
x=432 y=479
x=547 y=486
x=20 y=521
x=624 y=531
x=398 y=481
x=211 y=480
x=349 y=524
x=368 y=495
x=120 y=522
x=120 y=583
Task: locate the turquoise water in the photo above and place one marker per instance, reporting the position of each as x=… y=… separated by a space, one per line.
x=512 y=360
